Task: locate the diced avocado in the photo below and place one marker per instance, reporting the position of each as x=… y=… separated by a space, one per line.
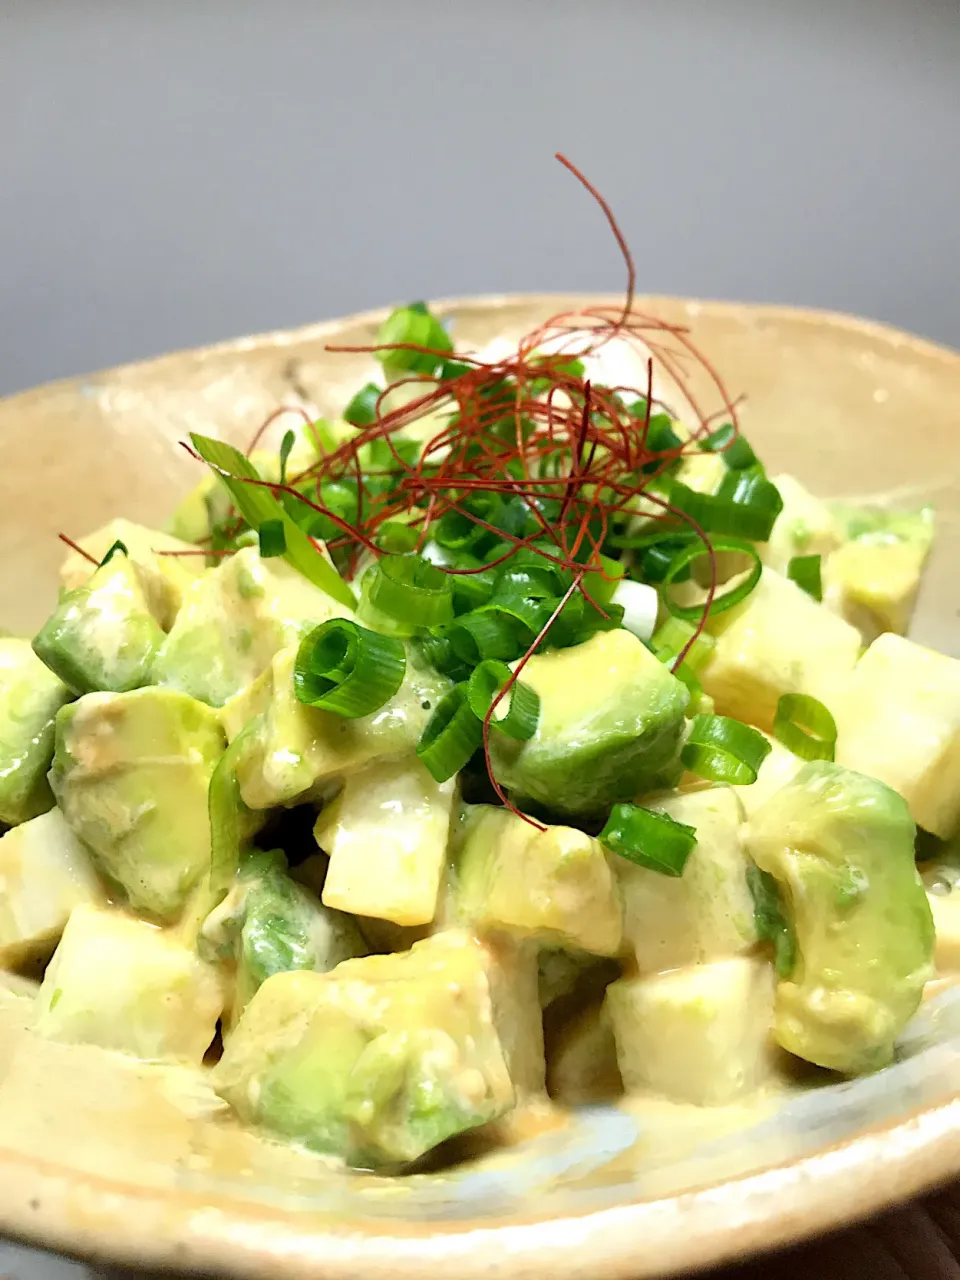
x=899 y=721
x=131 y=773
x=776 y=770
x=386 y=836
x=779 y=640
x=102 y=636
x=295 y=751
x=166 y=576
x=873 y=579
x=582 y=1057
x=270 y=924
x=30 y=697
x=123 y=984
x=554 y=886
x=377 y=1061
x=705 y=914
x=233 y=620
x=842 y=847
x=700 y=1035
x=44 y=873
x=805 y=527
x=611 y=716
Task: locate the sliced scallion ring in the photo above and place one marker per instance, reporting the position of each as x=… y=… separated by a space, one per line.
x=411 y=590
x=648 y=839
x=675 y=634
x=721 y=749
x=517 y=713
x=746 y=505
x=805 y=727
x=723 y=599
x=805 y=572
x=362 y=409
x=453 y=733
x=343 y=667
x=737 y=453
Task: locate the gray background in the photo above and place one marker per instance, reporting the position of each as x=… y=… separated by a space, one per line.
x=173 y=173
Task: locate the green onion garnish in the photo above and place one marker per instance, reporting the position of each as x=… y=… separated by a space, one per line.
x=745 y=505
x=736 y=451
x=256 y=503
x=720 y=749
x=344 y=668
x=488 y=632
x=805 y=727
x=681 y=563
x=522 y=701
x=770 y=921
x=661 y=438
x=116 y=546
x=453 y=733
x=412 y=591
x=805 y=572
x=675 y=634
x=229 y=816
x=395 y=537
x=413 y=325
x=273 y=540
x=648 y=839
x=286 y=446
x=362 y=409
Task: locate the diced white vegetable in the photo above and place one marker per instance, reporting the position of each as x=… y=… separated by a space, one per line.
x=386 y=836
x=805 y=527
x=699 y=1035
x=44 y=873
x=640 y=603
x=779 y=640
x=775 y=772
x=899 y=721
x=512 y=973
x=706 y=913
x=122 y=984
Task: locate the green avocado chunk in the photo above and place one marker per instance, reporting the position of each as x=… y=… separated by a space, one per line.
x=233 y=620
x=611 y=716
x=102 y=636
x=270 y=924
x=30 y=697
x=377 y=1061
x=842 y=847
x=131 y=773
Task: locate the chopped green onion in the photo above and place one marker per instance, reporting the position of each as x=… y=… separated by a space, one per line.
x=286 y=445
x=661 y=438
x=413 y=325
x=675 y=634
x=453 y=733
x=273 y=540
x=458 y=530
x=805 y=727
x=395 y=537
x=746 y=505
x=805 y=572
x=648 y=839
x=657 y=559
x=116 y=546
x=256 y=503
x=471 y=590
x=411 y=590
x=771 y=924
x=362 y=409
x=722 y=600
x=724 y=750
x=343 y=667
x=523 y=702
x=737 y=453
x=438 y=649
x=684 y=673
x=451 y=369
x=488 y=632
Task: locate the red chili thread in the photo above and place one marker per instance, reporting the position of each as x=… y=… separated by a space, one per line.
x=75 y=546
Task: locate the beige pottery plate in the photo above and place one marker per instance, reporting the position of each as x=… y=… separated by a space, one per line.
x=113 y=1160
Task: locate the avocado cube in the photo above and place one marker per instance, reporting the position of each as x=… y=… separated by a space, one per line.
x=131 y=773
x=611 y=716
x=700 y=1035
x=705 y=914
x=168 y=565
x=270 y=924
x=377 y=1061
x=899 y=721
x=872 y=580
x=779 y=640
x=555 y=886
x=30 y=697
x=102 y=636
x=233 y=620
x=386 y=836
x=44 y=873
x=805 y=526
x=295 y=752
x=841 y=845
x=122 y=984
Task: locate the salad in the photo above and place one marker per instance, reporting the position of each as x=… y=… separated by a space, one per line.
x=513 y=740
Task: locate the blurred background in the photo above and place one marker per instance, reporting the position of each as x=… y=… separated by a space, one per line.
x=176 y=173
